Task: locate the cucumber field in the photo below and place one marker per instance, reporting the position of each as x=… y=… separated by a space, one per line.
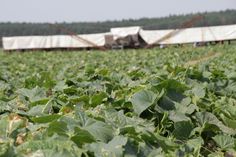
x=123 y=103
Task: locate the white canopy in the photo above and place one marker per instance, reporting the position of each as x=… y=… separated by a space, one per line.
x=171 y=36
x=123 y=32
x=55 y=41
x=189 y=35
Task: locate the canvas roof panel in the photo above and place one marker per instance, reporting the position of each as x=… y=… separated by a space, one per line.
x=122 y=32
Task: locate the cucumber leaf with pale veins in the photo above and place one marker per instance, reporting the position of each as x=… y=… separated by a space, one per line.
x=142 y=100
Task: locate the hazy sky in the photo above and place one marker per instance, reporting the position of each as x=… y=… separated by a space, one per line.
x=100 y=10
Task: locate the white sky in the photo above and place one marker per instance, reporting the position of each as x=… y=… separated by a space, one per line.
x=101 y=10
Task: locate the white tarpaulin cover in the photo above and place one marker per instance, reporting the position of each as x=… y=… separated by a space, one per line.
x=123 y=32
x=55 y=41
x=189 y=35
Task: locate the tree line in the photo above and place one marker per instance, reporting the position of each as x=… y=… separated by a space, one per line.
x=172 y=21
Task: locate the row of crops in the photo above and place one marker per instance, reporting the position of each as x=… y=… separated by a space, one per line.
x=127 y=103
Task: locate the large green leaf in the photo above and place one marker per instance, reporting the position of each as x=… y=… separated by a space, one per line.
x=183 y=130
x=142 y=100
x=228 y=122
x=174 y=89
x=100 y=130
x=34 y=94
x=97 y=99
x=112 y=148
x=199 y=92
x=205 y=118
x=58 y=127
x=178 y=117
x=37 y=111
x=196 y=145
x=82 y=136
x=50 y=147
x=224 y=141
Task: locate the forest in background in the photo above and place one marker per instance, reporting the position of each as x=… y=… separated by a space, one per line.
x=172 y=21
